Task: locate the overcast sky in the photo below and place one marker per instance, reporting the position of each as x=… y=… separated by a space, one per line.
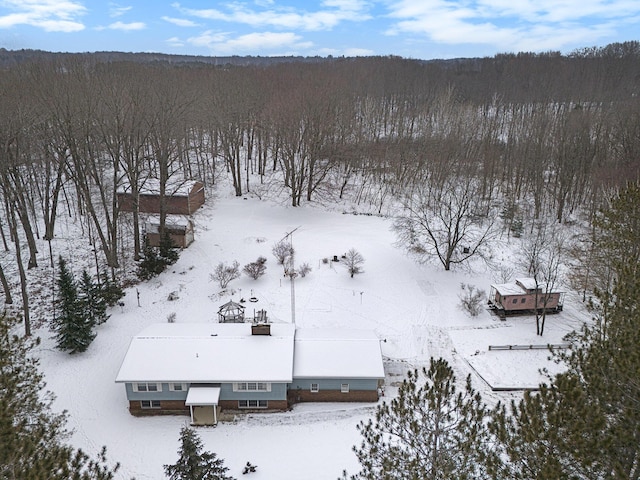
x=423 y=29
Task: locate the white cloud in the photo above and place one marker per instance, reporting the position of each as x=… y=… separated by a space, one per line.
x=345 y=52
x=175 y=42
x=116 y=10
x=335 y=12
x=279 y=43
x=49 y=15
x=127 y=26
x=531 y=25
x=181 y=22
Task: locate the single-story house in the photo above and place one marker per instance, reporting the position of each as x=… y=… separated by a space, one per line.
x=182 y=198
x=179 y=228
x=200 y=369
x=525 y=294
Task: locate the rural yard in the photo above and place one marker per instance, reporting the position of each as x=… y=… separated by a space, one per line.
x=413 y=309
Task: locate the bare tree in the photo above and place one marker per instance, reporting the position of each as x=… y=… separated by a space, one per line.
x=471 y=299
x=8 y=299
x=353 y=261
x=124 y=132
x=543 y=253
x=283 y=251
x=445 y=222
x=224 y=273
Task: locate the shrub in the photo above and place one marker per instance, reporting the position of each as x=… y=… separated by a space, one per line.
x=471 y=299
x=304 y=269
x=283 y=251
x=223 y=273
x=255 y=269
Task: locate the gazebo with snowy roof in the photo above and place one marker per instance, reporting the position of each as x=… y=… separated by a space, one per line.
x=231 y=312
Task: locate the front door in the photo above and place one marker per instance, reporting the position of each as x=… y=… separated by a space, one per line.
x=203 y=415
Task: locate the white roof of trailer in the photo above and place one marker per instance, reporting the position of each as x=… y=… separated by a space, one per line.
x=528 y=283
x=508 y=289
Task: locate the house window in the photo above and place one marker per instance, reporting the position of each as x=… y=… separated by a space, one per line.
x=515 y=300
x=523 y=300
x=315 y=388
x=344 y=388
x=253 y=403
x=149 y=404
x=177 y=387
x=147 y=387
x=252 y=387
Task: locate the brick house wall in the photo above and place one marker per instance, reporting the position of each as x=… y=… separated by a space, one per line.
x=298 y=396
x=273 y=405
x=167 y=407
x=176 y=204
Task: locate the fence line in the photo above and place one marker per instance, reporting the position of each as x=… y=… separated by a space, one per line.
x=548 y=346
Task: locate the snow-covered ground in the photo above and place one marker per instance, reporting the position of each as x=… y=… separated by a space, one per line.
x=414 y=309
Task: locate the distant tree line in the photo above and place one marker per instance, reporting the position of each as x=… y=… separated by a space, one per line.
x=529 y=135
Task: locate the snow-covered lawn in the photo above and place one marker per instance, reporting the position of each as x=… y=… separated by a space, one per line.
x=412 y=308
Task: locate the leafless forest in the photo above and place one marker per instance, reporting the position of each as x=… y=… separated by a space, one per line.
x=522 y=137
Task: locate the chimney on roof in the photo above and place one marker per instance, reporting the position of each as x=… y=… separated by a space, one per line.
x=260 y=329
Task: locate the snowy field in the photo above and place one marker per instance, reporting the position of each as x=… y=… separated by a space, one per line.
x=414 y=309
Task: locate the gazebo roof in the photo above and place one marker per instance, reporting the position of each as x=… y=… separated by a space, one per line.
x=231 y=306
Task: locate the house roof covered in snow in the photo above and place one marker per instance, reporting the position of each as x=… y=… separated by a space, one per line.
x=170 y=220
x=151 y=186
x=223 y=352
x=331 y=353
x=209 y=352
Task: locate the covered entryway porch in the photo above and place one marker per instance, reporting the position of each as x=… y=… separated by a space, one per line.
x=203 y=405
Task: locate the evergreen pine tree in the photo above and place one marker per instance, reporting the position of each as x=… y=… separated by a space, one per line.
x=31 y=435
x=193 y=463
x=586 y=424
x=74 y=329
x=430 y=431
x=92 y=300
x=167 y=251
x=110 y=289
x=151 y=264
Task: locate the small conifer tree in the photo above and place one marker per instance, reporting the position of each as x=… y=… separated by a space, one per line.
x=194 y=463
x=110 y=289
x=73 y=328
x=92 y=301
x=151 y=264
x=168 y=252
